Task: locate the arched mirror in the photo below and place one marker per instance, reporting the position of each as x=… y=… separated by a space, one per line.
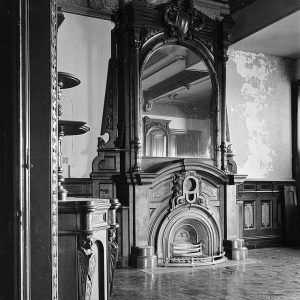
x=177 y=104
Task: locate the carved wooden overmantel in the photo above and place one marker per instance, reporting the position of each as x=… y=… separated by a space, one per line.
x=121 y=168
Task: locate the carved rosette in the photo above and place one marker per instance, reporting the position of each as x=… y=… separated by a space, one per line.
x=187 y=189
x=54 y=147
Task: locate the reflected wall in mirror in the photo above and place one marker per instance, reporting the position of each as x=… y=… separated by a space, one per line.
x=84 y=50
x=177 y=92
x=156 y=142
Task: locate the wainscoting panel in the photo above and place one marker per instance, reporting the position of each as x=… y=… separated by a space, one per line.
x=263 y=212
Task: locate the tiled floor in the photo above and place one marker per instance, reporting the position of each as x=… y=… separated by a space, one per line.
x=272 y=273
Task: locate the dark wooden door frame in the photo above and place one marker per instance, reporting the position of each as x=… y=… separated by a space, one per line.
x=28 y=162
x=28 y=229
x=296 y=134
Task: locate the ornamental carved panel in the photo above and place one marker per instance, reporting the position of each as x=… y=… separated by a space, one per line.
x=87 y=262
x=161 y=191
x=182 y=18
x=188 y=189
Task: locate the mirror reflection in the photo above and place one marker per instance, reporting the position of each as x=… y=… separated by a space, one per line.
x=177 y=104
x=157 y=141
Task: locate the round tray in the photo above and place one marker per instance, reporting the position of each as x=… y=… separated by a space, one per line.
x=67 y=80
x=72 y=127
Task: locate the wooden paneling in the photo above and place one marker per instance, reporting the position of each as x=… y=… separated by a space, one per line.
x=263 y=206
x=78 y=187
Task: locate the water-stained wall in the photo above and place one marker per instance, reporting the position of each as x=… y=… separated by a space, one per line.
x=259 y=112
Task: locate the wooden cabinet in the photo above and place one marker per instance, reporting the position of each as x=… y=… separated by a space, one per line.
x=82 y=256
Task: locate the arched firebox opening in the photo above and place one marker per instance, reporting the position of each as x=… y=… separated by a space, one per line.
x=189 y=234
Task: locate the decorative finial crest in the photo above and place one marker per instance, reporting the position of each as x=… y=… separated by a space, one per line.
x=182 y=18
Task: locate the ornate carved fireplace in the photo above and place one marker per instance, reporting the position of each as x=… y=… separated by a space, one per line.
x=186 y=203
x=165 y=115
x=189 y=230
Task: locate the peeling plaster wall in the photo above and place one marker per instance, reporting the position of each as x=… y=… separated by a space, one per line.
x=259 y=113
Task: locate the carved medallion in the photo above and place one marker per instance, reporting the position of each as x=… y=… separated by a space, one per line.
x=187 y=189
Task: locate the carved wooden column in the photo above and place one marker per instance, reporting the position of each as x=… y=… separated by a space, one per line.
x=83 y=247
x=137 y=142
x=226 y=26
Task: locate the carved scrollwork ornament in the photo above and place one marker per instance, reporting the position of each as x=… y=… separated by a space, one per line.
x=183 y=18
x=112 y=235
x=101 y=144
x=113 y=256
x=148 y=105
x=86 y=243
x=87 y=267
x=187 y=189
